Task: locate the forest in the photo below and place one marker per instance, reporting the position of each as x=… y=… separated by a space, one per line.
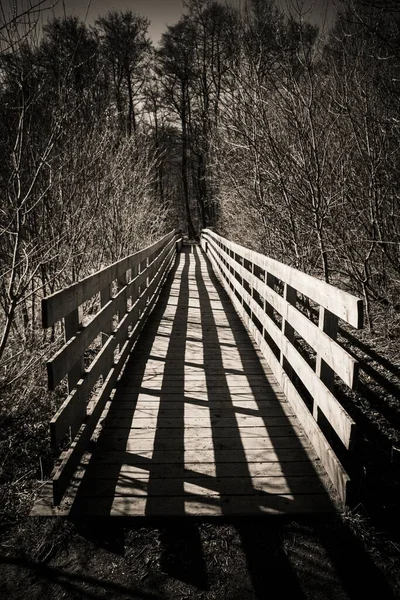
x=248 y=119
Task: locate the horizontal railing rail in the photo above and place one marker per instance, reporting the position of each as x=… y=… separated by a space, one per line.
x=125 y=293
x=276 y=303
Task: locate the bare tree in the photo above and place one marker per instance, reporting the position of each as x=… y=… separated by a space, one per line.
x=126 y=49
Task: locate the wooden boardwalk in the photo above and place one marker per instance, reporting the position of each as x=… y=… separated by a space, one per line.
x=198 y=424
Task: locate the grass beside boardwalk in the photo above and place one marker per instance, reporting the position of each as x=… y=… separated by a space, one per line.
x=180 y=559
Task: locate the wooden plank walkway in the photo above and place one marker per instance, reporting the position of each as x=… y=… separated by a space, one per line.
x=198 y=424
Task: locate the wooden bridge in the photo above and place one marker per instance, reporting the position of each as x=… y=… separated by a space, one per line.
x=210 y=389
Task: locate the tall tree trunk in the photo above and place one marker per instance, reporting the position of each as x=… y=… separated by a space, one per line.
x=191 y=229
x=131 y=114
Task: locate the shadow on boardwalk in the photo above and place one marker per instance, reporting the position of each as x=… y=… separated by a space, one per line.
x=195 y=426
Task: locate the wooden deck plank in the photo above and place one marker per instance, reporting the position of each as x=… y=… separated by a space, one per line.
x=124 y=411
x=198 y=425
x=148 y=402
x=196 y=396
x=195 y=444
x=195 y=506
x=198 y=433
x=129 y=485
x=280 y=455
x=202 y=422
x=161 y=471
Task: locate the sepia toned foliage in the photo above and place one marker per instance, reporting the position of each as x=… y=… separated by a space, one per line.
x=76 y=192
x=307 y=145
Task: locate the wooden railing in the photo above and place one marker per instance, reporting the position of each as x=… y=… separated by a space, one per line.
x=125 y=293
x=273 y=299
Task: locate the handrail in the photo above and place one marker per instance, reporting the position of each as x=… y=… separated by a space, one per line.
x=138 y=279
x=266 y=293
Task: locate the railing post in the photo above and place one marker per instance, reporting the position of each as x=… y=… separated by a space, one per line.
x=121 y=283
x=134 y=295
x=269 y=282
x=264 y=302
x=105 y=297
x=328 y=323
x=179 y=241
x=290 y=295
x=241 y=262
x=146 y=264
x=252 y=290
x=140 y=268
x=72 y=325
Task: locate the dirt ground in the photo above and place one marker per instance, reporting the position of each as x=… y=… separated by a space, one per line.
x=259 y=558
